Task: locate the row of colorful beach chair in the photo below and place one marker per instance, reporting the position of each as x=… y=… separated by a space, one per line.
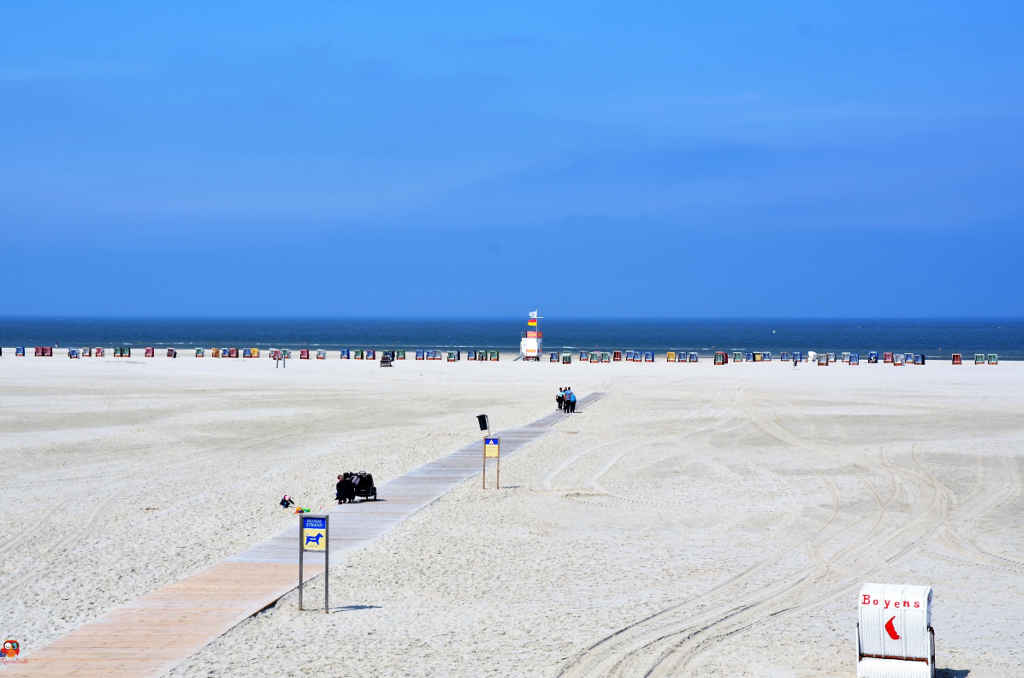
x=849 y=358
x=594 y=357
x=563 y=357
x=490 y=355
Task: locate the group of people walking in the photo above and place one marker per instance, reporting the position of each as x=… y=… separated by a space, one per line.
x=566 y=400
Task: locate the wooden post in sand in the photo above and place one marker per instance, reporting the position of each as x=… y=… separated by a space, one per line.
x=485 y=425
x=314 y=535
x=492 y=450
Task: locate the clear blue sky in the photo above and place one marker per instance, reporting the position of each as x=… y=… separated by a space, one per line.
x=621 y=159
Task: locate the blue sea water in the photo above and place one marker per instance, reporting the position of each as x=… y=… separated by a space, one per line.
x=935 y=338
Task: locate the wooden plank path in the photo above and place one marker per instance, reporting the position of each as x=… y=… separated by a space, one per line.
x=147 y=637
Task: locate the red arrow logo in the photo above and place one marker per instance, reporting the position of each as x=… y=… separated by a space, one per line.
x=891 y=630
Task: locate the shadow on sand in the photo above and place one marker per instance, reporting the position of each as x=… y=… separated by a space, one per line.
x=354 y=608
x=951 y=673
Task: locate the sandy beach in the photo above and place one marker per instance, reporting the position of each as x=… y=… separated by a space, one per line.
x=698 y=520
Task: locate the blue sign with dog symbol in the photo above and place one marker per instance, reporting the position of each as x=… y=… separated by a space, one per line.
x=313 y=533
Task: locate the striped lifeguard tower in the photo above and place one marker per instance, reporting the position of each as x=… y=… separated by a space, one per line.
x=531 y=343
x=895 y=638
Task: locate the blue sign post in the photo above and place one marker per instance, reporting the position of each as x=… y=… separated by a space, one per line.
x=492 y=450
x=314 y=535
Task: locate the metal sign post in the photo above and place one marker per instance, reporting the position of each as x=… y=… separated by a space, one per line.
x=492 y=450
x=314 y=535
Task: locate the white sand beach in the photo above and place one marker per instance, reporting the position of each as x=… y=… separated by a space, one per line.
x=698 y=520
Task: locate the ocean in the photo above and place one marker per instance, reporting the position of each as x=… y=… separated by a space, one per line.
x=934 y=338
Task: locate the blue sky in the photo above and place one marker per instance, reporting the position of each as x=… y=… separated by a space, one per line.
x=595 y=159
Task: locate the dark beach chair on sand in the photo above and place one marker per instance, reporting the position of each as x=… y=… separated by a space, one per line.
x=362 y=485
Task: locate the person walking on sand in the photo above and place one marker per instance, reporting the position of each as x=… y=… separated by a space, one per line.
x=560 y=398
x=572 y=401
x=339 y=491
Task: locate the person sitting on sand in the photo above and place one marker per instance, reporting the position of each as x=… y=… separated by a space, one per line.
x=286 y=501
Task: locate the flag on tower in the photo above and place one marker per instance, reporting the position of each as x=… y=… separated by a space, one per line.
x=533 y=314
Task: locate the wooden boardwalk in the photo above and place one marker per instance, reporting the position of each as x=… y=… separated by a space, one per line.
x=150 y=635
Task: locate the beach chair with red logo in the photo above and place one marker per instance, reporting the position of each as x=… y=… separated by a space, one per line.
x=895 y=638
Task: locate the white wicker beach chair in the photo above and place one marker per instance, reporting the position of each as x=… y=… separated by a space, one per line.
x=895 y=638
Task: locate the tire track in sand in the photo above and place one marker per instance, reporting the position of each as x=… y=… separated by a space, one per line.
x=664 y=643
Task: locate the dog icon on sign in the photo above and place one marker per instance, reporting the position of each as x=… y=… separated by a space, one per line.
x=314 y=539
